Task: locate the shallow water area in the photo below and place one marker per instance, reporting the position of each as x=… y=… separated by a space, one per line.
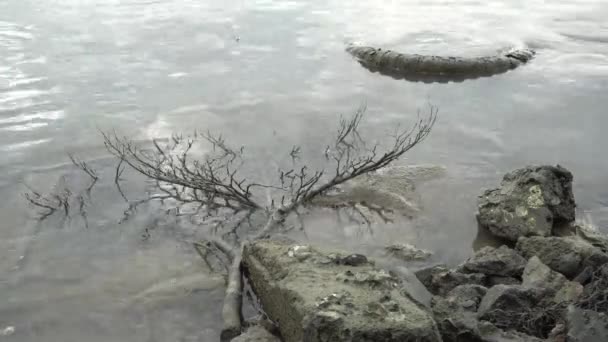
x=267 y=75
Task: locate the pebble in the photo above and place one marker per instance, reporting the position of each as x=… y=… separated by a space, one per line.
x=8 y=331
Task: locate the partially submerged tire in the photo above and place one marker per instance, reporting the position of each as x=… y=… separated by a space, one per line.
x=428 y=69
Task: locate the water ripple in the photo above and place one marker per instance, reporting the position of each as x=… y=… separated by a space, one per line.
x=48 y=115
x=22 y=145
x=26 y=97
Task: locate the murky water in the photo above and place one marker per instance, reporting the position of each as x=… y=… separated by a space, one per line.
x=261 y=72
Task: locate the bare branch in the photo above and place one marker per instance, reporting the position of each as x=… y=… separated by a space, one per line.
x=351 y=158
x=82 y=165
x=295 y=153
x=48 y=207
x=118 y=173
x=231 y=310
x=349 y=161
x=49 y=204
x=213 y=181
x=205 y=249
x=83 y=211
x=215 y=185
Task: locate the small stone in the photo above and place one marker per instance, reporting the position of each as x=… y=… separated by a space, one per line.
x=352 y=260
x=8 y=331
x=299 y=252
x=407 y=252
x=467 y=296
x=374 y=278
x=425 y=275
x=444 y=282
x=502 y=261
x=591 y=235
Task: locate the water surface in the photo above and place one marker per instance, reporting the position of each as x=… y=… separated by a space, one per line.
x=268 y=74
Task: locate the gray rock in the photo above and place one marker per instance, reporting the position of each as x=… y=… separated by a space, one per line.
x=407 y=252
x=595 y=260
x=256 y=333
x=502 y=261
x=502 y=301
x=455 y=314
x=584 y=276
x=316 y=299
x=425 y=275
x=528 y=202
x=411 y=283
x=562 y=254
x=458 y=325
x=586 y=325
x=443 y=282
x=596 y=291
x=537 y=274
x=467 y=297
x=455 y=324
x=591 y=235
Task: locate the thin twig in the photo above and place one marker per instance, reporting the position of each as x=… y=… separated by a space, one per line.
x=118 y=173
x=82 y=210
x=82 y=165
x=49 y=204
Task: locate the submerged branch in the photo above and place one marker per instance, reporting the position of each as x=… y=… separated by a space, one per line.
x=49 y=204
x=231 y=310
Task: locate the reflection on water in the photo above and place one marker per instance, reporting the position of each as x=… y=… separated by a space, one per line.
x=268 y=74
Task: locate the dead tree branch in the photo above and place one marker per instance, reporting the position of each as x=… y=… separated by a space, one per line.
x=537 y=321
x=49 y=204
x=82 y=209
x=215 y=184
x=595 y=293
x=231 y=310
x=117 y=174
x=82 y=165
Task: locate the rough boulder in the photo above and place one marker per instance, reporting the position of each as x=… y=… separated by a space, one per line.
x=537 y=274
x=529 y=202
x=440 y=281
x=324 y=296
x=567 y=255
x=502 y=261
